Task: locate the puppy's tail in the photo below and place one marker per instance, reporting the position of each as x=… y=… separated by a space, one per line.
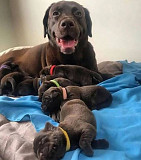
x=100 y=144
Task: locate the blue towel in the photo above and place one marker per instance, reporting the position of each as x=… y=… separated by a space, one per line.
x=120 y=123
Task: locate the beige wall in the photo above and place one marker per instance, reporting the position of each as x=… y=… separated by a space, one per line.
x=116 y=26
x=7 y=38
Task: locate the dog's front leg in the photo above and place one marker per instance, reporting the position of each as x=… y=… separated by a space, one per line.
x=86 y=138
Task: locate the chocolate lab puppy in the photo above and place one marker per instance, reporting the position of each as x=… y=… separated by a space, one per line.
x=77 y=128
x=8 y=67
x=37 y=86
x=67 y=25
x=78 y=74
x=95 y=97
x=19 y=84
x=9 y=83
x=45 y=85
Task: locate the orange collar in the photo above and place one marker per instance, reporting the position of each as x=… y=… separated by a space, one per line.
x=51 y=69
x=64 y=93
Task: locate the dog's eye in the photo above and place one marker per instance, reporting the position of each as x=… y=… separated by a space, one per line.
x=56 y=13
x=78 y=14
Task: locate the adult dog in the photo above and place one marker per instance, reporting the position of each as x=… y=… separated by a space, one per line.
x=68 y=26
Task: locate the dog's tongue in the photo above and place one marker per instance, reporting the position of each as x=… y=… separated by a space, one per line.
x=66 y=46
x=67 y=43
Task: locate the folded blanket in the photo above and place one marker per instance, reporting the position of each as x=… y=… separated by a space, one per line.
x=120 y=123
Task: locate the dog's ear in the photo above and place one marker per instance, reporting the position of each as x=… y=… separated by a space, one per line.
x=89 y=22
x=45 y=20
x=49 y=127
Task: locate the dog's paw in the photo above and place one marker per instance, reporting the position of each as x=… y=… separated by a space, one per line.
x=100 y=144
x=45 y=71
x=96 y=78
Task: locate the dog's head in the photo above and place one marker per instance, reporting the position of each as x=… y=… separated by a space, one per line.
x=50 y=143
x=67 y=25
x=52 y=99
x=44 y=86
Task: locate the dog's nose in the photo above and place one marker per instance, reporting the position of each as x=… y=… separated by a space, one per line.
x=67 y=23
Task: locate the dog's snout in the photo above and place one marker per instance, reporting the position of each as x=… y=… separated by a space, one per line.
x=67 y=23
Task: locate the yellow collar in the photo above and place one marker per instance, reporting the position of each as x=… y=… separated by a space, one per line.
x=67 y=139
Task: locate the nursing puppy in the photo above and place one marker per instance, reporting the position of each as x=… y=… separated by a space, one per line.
x=9 y=82
x=8 y=67
x=37 y=86
x=95 y=97
x=77 y=128
x=19 y=84
x=78 y=74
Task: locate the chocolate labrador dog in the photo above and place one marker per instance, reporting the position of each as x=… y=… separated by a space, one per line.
x=95 y=97
x=78 y=74
x=77 y=128
x=67 y=25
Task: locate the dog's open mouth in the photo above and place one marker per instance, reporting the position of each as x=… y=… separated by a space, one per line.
x=67 y=44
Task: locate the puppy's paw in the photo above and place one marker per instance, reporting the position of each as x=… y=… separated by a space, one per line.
x=96 y=78
x=100 y=144
x=45 y=71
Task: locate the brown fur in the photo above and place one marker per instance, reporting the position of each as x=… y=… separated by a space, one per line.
x=79 y=123
x=78 y=27
x=95 y=97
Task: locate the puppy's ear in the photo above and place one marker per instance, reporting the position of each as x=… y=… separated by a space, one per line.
x=49 y=127
x=45 y=20
x=89 y=22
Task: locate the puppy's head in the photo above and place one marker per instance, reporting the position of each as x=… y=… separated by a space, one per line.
x=51 y=100
x=25 y=88
x=50 y=143
x=44 y=86
x=67 y=25
x=45 y=71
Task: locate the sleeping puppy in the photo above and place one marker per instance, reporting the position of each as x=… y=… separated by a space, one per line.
x=9 y=82
x=8 y=67
x=37 y=86
x=77 y=128
x=95 y=97
x=77 y=74
x=18 y=84
x=45 y=85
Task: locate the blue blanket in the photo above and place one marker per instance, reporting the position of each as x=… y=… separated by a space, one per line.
x=120 y=123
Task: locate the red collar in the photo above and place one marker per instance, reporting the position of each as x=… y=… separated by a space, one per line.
x=51 y=69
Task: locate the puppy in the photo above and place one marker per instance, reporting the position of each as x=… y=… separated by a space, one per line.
x=77 y=128
x=18 y=84
x=45 y=85
x=95 y=97
x=8 y=67
x=77 y=74
x=9 y=82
